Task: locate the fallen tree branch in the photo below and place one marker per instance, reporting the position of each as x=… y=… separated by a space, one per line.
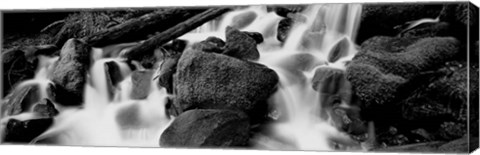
x=174 y=32
x=57 y=24
x=139 y=28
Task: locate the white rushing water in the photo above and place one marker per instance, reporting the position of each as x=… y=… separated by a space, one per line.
x=127 y=122
x=329 y=23
x=104 y=122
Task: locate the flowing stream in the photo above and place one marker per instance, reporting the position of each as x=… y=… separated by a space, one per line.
x=325 y=26
x=123 y=121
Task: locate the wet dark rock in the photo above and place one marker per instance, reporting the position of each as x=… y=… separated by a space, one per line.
x=283 y=29
x=242 y=20
x=215 y=81
x=207 y=128
x=340 y=50
x=16 y=68
x=240 y=45
x=382 y=19
x=20 y=100
x=141 y=82
x=286 y=24
x=411 y=83
x=113 y=76
x=45 y=108
x=25 y=131
x=70 y=73
x=376 y=74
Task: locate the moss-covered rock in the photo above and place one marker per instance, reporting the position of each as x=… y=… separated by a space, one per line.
x=406 y=83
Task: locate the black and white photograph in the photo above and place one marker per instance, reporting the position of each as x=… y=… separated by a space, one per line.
x=347 y=77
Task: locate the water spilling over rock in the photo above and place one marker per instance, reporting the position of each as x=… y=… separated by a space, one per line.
x=102 y=101
x=267 y=77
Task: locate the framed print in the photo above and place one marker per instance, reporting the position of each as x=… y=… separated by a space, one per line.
x=350 y=77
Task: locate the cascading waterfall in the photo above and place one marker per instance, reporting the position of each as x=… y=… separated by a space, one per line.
x=296 y=97
x=100 y=122
x=41 y=81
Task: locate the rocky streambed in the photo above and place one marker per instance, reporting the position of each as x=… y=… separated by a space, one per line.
x=376 y=77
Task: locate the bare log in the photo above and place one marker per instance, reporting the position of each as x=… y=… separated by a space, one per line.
x=139 y=28
x=174 y=32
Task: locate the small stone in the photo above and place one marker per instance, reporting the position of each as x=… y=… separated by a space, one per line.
x=283 y=29
x=141 y=82
x=45 y=108
x=340 y=50
x=113 y=76
x=240 y=45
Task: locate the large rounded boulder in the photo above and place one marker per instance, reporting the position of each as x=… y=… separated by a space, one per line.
x=215 y=81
